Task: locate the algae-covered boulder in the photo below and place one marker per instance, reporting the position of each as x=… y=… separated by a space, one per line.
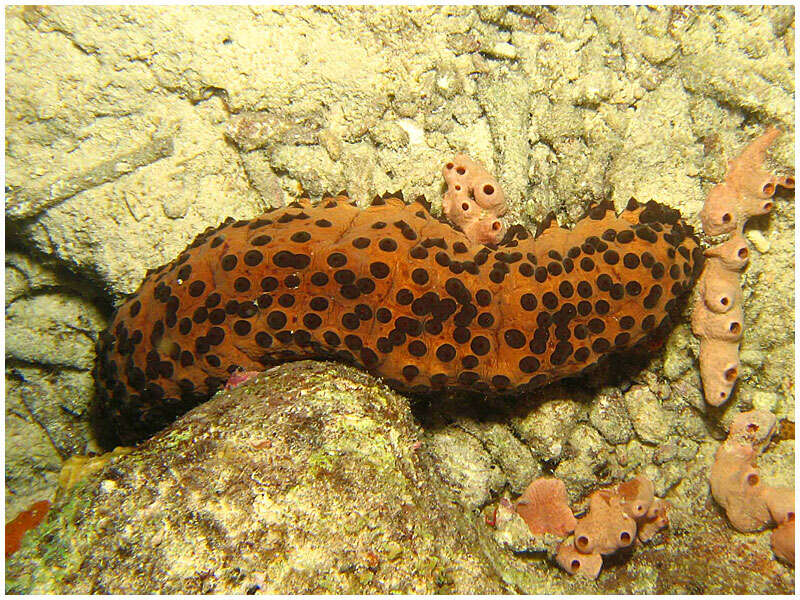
x=307 y=479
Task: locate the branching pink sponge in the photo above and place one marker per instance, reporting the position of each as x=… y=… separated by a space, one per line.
x=474 y=200
x=718 y=317
x=617 y=517
x=749 y=503
x=746 y=191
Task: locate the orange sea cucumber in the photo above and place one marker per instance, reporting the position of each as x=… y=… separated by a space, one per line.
x=398 y=293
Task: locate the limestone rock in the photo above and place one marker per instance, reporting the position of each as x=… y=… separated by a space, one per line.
x=466 y=467
x=651 y=422
x=609 y=416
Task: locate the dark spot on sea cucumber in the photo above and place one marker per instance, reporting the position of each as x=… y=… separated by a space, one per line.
x=480 y=345
x=387 y=245
x=229 y=262
x=528 y=302
x=252 y=258
x=196 y=288
x=336 y=260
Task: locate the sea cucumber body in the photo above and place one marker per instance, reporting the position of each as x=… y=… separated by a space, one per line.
x=395 y=291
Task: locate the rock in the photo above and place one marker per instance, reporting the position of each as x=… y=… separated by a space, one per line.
x=32 y=462
x=677 y=355
x=513 y=533
x=56 y=400
x=51 y=325
x=546 y=422
x=587 y=463
x=760 y=82
x=466 y=467
x=237 y=495
x=53 y=329
x=512 y=456
x=610 y=418
x=675 y=449
x=651 y=422
x=504 y=99
x=25 y=276
x=502 y=50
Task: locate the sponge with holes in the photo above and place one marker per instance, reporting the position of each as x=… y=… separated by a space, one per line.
x=746 y=191
x=474 y=200
x=617 y=517
x=717 y=318
x=749 y=503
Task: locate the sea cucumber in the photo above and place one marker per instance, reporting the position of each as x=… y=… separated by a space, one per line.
x=395 y=291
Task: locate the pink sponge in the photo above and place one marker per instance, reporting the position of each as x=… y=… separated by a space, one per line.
x=654 y=521
x=782 y=541
x=474 y=200
x=736 y=486
x=578 y=563
x=606 y=528
x=616 y=518
x=720 y=288
x=717 y=317
x=544 y=507
x=746 y=191
x=749 y=503
x=754 y=428
x=637 y=496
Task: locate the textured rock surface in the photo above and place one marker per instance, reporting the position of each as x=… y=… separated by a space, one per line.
x=305 y=479
x=603 y=102
x=237 y=495
x=51 y=328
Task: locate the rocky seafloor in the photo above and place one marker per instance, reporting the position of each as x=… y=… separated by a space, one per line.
x=119 y=151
